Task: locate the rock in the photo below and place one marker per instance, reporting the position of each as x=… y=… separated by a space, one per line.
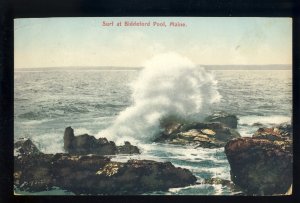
x=225 y=183
x=87 y=144
x=279 y=133
x=95 y=174
x=218 y=130
x=207 y=135
x=216 y=181
x=171 y=128
x=286 y=130
x=127 y=148
x=179 y=141
x=219 y=181
x=263 y=164
x=228 y=120
x=210 y=144
x=259 y=165
x=41 y=172
x=68 y=138
x=257 y=124
x=25 y=147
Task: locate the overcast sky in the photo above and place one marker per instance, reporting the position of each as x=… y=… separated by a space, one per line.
x=59 y=42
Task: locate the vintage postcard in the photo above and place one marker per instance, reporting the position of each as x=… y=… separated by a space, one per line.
x=153 y=106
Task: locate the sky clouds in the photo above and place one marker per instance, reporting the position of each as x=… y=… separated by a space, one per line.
x=57 y=42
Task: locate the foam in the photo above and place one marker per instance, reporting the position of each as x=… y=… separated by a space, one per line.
x=43 y=144
x=168 y=85
x=81 y=131
x=35 y=122
x=197 y=189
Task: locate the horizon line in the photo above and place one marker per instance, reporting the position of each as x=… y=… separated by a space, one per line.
x=139 y=67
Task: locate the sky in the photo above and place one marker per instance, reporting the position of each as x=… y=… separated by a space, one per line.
x=65 y=42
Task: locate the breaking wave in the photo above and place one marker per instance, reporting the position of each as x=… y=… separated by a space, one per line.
x=169 y=85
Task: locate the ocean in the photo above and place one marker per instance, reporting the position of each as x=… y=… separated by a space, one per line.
x=126 y=104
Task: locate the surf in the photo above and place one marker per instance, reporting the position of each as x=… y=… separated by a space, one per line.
x=169 y=85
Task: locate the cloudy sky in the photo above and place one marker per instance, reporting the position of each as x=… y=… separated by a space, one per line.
x=60 y=42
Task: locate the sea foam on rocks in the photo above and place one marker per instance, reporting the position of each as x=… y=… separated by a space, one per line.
x=168 y=85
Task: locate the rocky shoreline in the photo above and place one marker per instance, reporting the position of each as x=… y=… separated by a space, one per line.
x=93 y=174
x=87 y=144
x=263 y=164
x=260 y=165
x=213 y=133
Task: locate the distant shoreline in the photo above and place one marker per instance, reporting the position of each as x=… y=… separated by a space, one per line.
x=249 y=67
x=209 y=67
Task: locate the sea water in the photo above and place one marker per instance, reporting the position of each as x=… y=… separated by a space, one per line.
x=93 y=101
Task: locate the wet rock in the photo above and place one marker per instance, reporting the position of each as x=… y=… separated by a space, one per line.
x=41 y=172
x=257 y=124
x=214 y=181
x=228 y=120
x=87 y=144
x=127 y=148
x=210 y=144
x=219 y=181
x=286 y=130
x=25 y=147
x=207 y=135
x=68 y=138
x=95 y=174
x=261 y=165
x=225 y=183
x=280 y=132
x=172 y=128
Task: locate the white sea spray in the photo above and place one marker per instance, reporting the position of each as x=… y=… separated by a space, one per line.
x=169 y=85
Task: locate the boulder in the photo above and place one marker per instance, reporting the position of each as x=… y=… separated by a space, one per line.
x=220 y=181
x=68 y=138
x=87 y=144
x=280 y=132
x=207 y=135
x=228 y=120
x=96 y=175
x=286 y=130
x=127 y=148
x=257 y=124
x=261 y=165
x=25 y=147
x=172 y=128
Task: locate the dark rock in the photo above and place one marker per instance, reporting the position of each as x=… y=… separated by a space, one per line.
x=225 y=183
x=210 y=144
x=286 y=130
x=207 y=135
x=43 y=171
x=127 y=148
x=87 y=144
x=258 y=124
x=25 y=147
x=68 y=138
x=279 y=133
x=172 y=128
x=94 y=174
x=214 y=181
x=259 y=165
x=228 y=120
x=219 y=181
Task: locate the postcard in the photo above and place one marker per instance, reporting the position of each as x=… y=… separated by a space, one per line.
x=153 y=106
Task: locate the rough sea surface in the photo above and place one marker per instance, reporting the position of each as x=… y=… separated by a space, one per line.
x=48 y=100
